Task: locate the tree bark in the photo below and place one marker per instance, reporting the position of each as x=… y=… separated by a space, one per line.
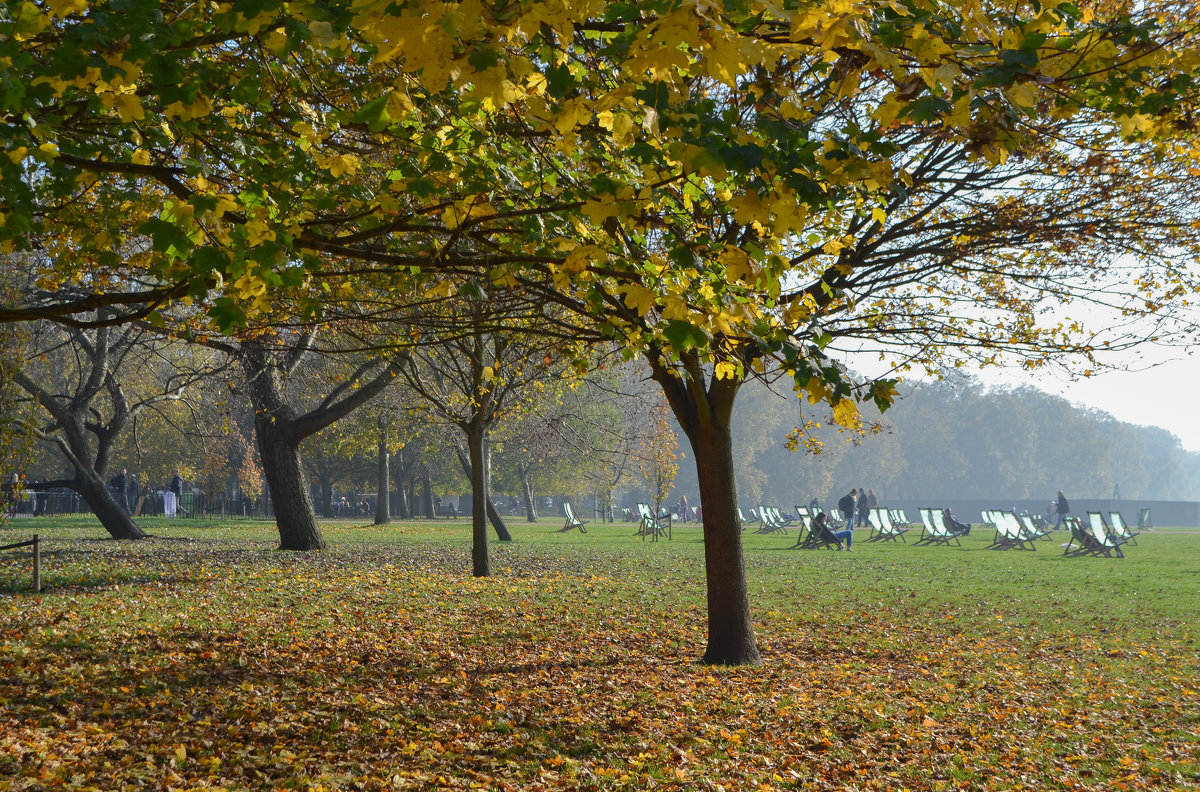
x=480 y=563
x=112 y=514
x=730 y=629
x=705 y=414
x=427 y=494
x=279 y=430
x=326 y=496
x=294 y=515
x=493 y=514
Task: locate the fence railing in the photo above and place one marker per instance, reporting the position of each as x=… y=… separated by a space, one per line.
x=36 y=544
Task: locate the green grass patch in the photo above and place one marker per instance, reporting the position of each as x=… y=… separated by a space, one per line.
x=204 y=658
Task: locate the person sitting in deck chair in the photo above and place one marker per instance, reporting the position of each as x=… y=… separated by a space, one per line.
x=844 y=537
x=953 y=525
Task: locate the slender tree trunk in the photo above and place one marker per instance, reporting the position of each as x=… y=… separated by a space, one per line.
x=496 y=520
x=480 y=563
x=112 y=515
x=527 y=493
x=493 y=514
x=427 y=494
x=383 y=486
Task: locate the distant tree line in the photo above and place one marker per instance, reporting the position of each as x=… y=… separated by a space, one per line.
x=955 y=439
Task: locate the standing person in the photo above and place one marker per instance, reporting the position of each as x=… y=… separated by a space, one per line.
x=682 y=508
x=864 y=516
x=872 y=501
x=131 y=492
x=176 y=490
x=846 y=507
x=116 y=485
x=1063 y=508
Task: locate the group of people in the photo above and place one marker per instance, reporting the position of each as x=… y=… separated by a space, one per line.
x=126 y=490
x=856 y=506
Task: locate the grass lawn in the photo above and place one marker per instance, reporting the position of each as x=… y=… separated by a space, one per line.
x=204 y=658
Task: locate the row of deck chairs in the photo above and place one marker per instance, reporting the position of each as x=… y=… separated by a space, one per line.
x=769 y=519
x=1097 y=536
x=1013 y=531
x=888 y=525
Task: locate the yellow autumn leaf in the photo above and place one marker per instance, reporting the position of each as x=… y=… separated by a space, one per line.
x=845 y=413
x=638 y=298
x=140 y=157
x=62 y=8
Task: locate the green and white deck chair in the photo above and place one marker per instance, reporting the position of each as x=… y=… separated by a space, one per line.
x=1009 y=533
x=885 y=530
x=1120 y=528
x=1081 y=542
x=1030 y=526
x=572 y=522
x=769 y=522
x=650 y=524
x=1104 y=535
x=780 y=522
x=934 y=529
x=1144 y=522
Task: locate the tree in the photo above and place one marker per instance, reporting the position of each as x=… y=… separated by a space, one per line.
x=658 y=456
x=280 y=428
x=78 y=378
x=473 y=380
x=718 y=186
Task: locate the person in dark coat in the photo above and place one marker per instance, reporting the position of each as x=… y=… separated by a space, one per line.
x=846 y=507
x=1062 y=508
x=116 y=486
x=864 y=515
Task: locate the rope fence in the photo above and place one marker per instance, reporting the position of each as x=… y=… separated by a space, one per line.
x=36 y=544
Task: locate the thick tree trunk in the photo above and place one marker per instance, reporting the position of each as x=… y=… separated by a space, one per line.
x=730 y=630
x=480 y=563
x=109 y=511
x=294 y=515
x=383 y=486
x=527 y=493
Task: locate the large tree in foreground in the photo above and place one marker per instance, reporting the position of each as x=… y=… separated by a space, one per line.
x=725 y=188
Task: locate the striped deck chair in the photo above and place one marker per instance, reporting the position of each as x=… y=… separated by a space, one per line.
x=934 y=529
x=1121 y=528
